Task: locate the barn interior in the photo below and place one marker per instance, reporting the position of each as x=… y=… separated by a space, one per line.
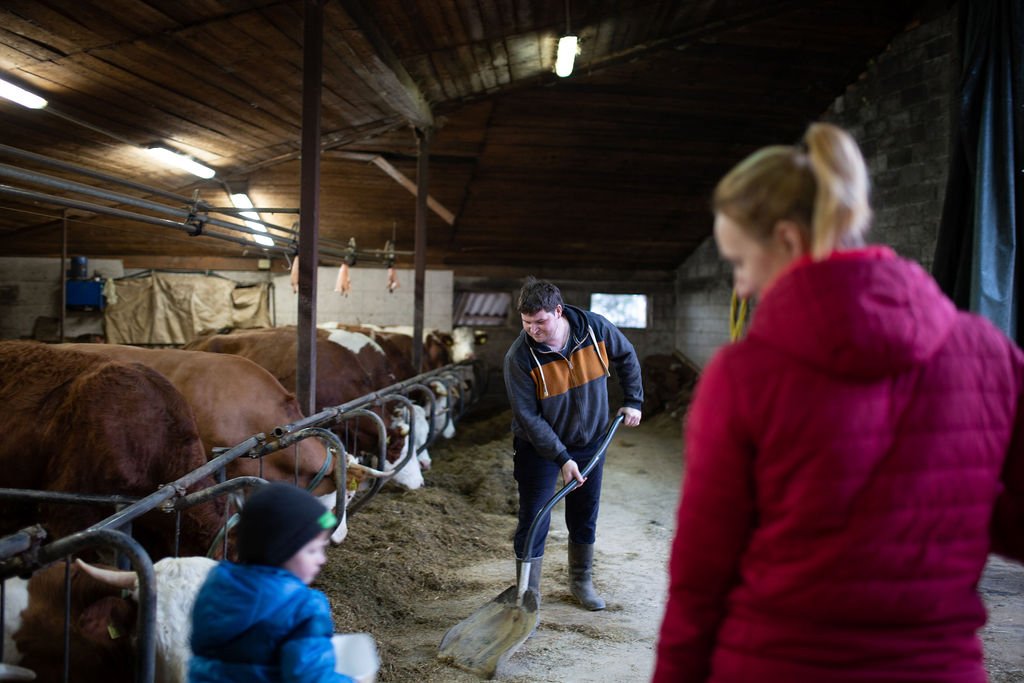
x=599 y=180
x=427 y=153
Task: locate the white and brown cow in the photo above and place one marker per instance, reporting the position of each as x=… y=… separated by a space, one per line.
x=379 y=362
x=396 y=344
x=340 y=378
x=104 y=604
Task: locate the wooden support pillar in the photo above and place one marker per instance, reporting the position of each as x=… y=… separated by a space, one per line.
x=422 y=170
x=309 y=202
x=63 y=272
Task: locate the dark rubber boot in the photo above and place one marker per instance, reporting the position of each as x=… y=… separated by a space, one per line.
x=533 y=582
x=581 y=560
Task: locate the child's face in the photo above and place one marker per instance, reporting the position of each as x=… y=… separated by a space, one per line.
x=306 y=563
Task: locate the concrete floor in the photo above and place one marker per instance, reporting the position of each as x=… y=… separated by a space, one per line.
x=1002 y=588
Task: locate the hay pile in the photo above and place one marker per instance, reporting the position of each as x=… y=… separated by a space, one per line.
x=406 y=545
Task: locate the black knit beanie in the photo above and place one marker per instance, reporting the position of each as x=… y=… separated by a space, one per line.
x=277 y=520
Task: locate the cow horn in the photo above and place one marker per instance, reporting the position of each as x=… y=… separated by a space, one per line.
x=370 y=472
x=403 y=430
x=119 y=578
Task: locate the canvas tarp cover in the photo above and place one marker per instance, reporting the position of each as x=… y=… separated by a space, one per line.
x=173 y=308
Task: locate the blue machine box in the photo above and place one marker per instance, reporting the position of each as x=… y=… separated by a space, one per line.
x=84 y=295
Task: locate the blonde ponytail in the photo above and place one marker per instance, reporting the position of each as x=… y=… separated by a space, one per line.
x=841 y=209
x=823 y=190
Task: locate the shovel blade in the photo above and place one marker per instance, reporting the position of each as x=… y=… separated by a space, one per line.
x=486 y=638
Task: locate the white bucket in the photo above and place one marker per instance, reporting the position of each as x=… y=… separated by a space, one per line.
x=10 y=672
x=355 y=655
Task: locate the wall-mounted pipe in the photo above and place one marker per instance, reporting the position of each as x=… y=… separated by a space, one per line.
x=110 y=211
x=8 y=171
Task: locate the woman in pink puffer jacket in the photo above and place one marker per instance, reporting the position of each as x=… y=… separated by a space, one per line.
x=843 y=460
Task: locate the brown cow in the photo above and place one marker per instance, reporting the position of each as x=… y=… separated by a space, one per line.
x=81 y=423
x=232 y=398
x=339 y=379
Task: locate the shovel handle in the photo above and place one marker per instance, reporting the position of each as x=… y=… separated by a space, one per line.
x=527 y=549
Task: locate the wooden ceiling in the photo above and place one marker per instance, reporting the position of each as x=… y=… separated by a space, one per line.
x=608 y=169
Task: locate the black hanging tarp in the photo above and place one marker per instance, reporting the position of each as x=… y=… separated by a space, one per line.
x=978 y=255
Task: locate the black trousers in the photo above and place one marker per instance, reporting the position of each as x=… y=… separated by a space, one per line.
x=537 y=476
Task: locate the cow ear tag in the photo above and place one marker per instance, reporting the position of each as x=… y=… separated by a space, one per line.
x=113 y=631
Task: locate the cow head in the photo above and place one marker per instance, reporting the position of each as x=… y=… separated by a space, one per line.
x=101 y=627
x=463 y=341
x=443 y=407
x=178 y=580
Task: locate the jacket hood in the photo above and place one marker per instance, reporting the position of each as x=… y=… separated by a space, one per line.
x=245 y=594
x=858 y=314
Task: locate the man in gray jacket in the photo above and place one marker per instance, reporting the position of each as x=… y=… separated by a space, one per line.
x=556 y=376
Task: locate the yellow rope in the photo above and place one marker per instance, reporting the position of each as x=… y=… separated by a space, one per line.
x=737 y=316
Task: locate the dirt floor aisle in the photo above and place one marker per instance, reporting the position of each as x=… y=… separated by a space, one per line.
x=638 y=502
x=417 y=562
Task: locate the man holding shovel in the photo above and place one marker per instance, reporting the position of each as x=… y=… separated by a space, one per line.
x=556 y=376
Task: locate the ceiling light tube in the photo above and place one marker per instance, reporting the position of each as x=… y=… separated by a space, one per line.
x=181 y=161
x=11 y=92
x=240 y=200
x=566 y=55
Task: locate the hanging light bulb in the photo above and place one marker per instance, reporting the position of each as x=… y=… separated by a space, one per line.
x=567 y=48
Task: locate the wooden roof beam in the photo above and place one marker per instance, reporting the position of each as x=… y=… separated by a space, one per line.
x=397 y=87
x=402 y=179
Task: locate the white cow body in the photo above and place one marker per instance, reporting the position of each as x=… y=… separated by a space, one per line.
x=178 y=580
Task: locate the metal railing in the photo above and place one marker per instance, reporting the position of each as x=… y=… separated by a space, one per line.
x=27 y=551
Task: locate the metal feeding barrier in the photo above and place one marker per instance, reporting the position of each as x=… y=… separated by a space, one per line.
x=64 y=548
x=27 y=551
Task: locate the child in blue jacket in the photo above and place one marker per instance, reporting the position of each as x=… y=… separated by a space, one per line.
x=258 y=619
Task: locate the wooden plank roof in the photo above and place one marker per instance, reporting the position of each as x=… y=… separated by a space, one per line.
x=610 y=168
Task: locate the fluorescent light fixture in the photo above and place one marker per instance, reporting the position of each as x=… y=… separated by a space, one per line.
x=11 y=92
x=181 y=161
x=566 y=55
x=240 y=200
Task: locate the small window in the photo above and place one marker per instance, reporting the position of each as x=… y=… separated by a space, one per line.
x=623 y=310
x=481 y=308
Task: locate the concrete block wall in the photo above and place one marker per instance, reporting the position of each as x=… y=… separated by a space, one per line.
x=703 y=295
x=900 y=113
x=369 y=302
x=30 y=289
